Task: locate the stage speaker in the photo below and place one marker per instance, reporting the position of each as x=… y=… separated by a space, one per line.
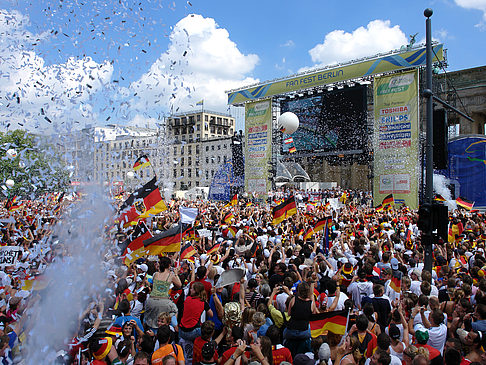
x=440 y=139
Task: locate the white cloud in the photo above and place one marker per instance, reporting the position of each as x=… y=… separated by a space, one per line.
x=340 y=46
x=42 y=97
x=202 y=62
x=289 y=43
x=475 y=5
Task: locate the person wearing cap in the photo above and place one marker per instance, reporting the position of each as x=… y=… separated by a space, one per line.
x=209 y=356
x=422 y=337
x=102 y=349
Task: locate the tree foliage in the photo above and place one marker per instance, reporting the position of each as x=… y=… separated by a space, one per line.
x=35 y=170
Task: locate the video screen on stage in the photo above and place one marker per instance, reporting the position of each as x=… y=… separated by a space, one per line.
x=333 y=121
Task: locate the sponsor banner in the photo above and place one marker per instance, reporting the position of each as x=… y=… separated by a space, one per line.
x=374 y=66
x=10 y=255
x=396 y=138
x=258 y=132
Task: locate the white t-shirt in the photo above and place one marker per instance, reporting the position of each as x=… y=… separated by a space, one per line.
x=437 y=337
x=342 y=298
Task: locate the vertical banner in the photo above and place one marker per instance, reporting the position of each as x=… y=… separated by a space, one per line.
x=396 y=138
x=258 y=147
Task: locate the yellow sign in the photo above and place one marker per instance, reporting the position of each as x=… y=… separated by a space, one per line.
x=396 y=138
x=392 y=62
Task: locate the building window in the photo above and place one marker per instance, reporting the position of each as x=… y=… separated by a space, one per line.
x=207 y=148
x=189 y=173
x=182 y=161
x=189 y=161
x=207 y=175
x=189 y=150
x=199 y=117
x=219 y=147
x=175 y=173
x=219 y=159
x=206 y=118
x=198 y=127
x=197 y=149
x=225 y=146
x=207 y=159
x=224 y=159
x=197 y=182
x=212 y=147
x=175 y=151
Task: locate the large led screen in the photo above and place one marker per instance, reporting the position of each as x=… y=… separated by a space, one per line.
x=330 y=122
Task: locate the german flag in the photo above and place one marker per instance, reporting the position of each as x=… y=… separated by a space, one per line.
x=234 y=200
x=168 y=241
x=228 y=217
x=13 y=204
x=292 y=149
x=439 y=198
x=335 y=322
x=464 y=203
x=143 y=203
x=320 y=224
x=141 y=162
x=308 y=234
x=249 y=204
x=284 y=210
x=35 y=283
x=188 y=252
x=189 y=234
x=213 y=249
x=232 y=230
x=388 y=200
x=114 y=330
x=56 y=209
x=396 y=282
x=379 y=208
x=133 y=247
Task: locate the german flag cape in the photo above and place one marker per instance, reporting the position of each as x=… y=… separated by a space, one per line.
x=168 y=241
x=396 y=282
x=464 y=203
x=143 y=203
x=284 y=210
x=141 y=162
x=334 y=322
x=133 y=247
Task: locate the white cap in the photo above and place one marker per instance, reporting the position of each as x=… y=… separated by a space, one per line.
x=143 y=267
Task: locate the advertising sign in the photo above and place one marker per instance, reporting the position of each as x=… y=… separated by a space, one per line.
x=374 y=66
x=258 y=147
x=396 y=138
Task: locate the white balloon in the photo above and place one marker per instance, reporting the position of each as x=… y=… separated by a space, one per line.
x=130 y=174
x=288 y=122
x=11 y=153
x=9 y=183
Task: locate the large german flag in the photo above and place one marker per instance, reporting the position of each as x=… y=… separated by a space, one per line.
x=388 y=200
x=284 y=210
x=133 y=247
x=213 y=249
x=464 y=203
x=168 y=241
x=334 y=322
x=143 y=203
x=141 y=162
x=396 y=282
x=188 y=252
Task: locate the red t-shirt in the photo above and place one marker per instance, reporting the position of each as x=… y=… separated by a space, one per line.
x=281 y=354
x=197 y=349
x=193 y=308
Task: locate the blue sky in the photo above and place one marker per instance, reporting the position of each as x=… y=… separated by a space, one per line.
x=71 y=63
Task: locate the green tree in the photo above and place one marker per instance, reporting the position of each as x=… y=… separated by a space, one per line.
x=35 y=170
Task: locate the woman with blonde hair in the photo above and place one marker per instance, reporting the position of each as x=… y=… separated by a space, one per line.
x=349 y=353
x=194 y=305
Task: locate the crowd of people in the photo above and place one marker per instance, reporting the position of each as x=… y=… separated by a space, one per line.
x=252 y=290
